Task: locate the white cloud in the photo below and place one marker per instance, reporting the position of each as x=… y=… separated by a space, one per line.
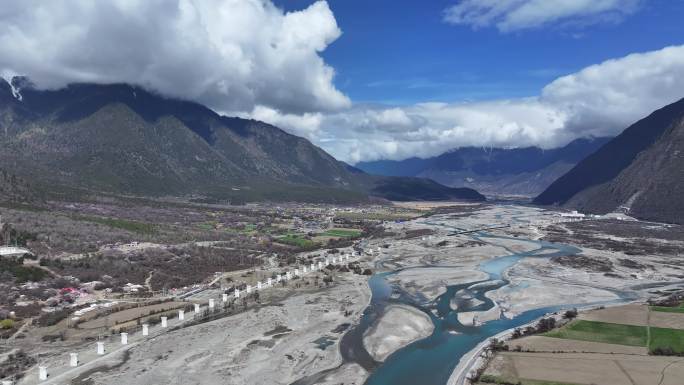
x=513 y=15
x=432 y=128
x=306 y=125
x=607 y=97
x=229 y=54
x=600 y=100
x=255 y=60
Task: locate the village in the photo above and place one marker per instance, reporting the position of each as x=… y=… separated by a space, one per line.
x=79 y=295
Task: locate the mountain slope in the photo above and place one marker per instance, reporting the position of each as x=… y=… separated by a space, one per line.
x=248 y=148
x=13 y=188
x=520 y=171
x=125 y=140
x=411 y=188
x=641 y=171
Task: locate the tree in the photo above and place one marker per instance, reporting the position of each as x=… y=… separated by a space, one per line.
x=546 y=324
x=570 y=314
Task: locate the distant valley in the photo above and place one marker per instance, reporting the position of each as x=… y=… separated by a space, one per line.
x=493 y=171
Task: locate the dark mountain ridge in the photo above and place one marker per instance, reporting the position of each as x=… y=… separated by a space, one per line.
x=516 y=171
x=641 y=172
x=123 y=139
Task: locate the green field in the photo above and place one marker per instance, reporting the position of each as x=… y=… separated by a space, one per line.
x=250 y=227
x=660 y=338
x=208 y=226
x=602 y=332
x=667 y=339
x=343 y=233
x=296 y=240
x=376 y=216
x=489 y=379
x=666 y=309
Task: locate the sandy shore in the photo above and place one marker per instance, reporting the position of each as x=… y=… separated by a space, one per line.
x=478 y=317
x=399 y=326
x=275 y=344
x=272 y=344
x=429 y=283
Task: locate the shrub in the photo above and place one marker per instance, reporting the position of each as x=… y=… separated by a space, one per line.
x=51 y=319
x=546 y=324
x=6 y=324
x=665 y=351
x=497 y=346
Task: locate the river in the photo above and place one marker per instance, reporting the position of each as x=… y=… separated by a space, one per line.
x=431 y=361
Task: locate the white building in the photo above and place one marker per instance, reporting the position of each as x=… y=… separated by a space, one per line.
x=573 y=215
x=12 y=251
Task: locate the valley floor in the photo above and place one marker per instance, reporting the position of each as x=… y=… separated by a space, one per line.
x=501 y=269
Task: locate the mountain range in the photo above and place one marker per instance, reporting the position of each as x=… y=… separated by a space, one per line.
x=639 y=172
x=124 y=139
x=493 y=171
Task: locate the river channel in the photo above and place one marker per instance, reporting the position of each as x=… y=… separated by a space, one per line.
x=431 y=360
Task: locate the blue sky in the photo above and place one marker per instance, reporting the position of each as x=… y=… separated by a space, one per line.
x=401 y=51
x=372 y=79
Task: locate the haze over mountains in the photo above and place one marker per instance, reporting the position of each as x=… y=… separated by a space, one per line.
x=123 y=139
x=640 y=172
x=493 y=171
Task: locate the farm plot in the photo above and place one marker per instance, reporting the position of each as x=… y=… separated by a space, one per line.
x=666 y=309
x=296 y=240
x=666 y=341
x=666 y=320
x=343 y=233
x=553 y=345
x=584 y=369
x=632 y=314
x=630 y=335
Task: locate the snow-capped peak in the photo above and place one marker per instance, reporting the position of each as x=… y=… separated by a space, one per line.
x=16 y=92
x=20 y=83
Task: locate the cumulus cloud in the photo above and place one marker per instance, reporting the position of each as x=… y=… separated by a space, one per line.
x=607 y=97
x=232 y=55
x=432 y=128
x=600 y=100
x=252 y=59
x=306 y=125
x=514 y=15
